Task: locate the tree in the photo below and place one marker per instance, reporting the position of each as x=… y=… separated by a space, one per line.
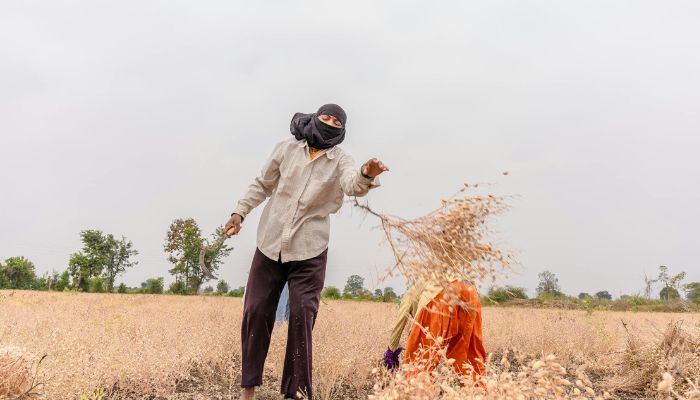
x=378 y=294
x=503 y=294
x=692 y=292
x=117 y=256
x=603 y=295
x=389 y=294
x=331 y=292
x=17 y=273
x=672 y=283
x=182 y=244
x=549 y=284
x=354 y=285
x=121 y=288
x=669 y=293
x=584 y=295
x=81 y=269
x=222 y=287
x=96 y=284
x=101 y=256
x=648 y=286
x=178 y=287
x=63 y=281
x=237 y=292
x=154 y=285
x=41 y=282
x=209 y=289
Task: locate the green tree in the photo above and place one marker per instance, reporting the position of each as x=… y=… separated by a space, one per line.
x=549 y=284
x=354 y=286
x=101 y=256
x=331 y=292
x=121 y=288
x=208 y=289
x=503 y=294
x=118 y=257
x=692 y=292
x=222 y=287
x=182 y=244
x=237 y=292
x=669 y=293
x=378 y=294
x=63 y=281
x=41 y=282
x=17 y=273
x=672 y=283
x=178 y=287
x=96 y=284
x=584 y=295
x=81 y=268
x=603 y=295
x=154 y=285
x=389 y=294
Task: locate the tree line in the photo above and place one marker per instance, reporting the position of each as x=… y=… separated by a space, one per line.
x=105 y=257
x=669 y=288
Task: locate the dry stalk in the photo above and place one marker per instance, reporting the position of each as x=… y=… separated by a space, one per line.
x=450 y=242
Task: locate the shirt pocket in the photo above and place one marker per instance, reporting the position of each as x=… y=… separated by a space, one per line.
x=322 y=185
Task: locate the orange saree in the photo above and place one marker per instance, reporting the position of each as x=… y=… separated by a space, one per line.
x=459 y=328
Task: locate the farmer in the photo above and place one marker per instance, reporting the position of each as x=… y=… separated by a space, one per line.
x=305 y=177
x=459 y=326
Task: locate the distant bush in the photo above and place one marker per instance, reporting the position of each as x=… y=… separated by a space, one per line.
x=692 y=292
x=41 y=283
x=121 y=288
x=331 y=292
x=237 y=292
x=95 y=284
x=555 y=295
x=178 y=287
x=502 y=294
x=63 y=281
x=603 y=295
x=154 y=285
x=222 y=287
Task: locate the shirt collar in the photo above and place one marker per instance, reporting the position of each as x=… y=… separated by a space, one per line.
x=330 y=153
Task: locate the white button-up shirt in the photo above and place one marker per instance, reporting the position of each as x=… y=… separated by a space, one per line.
x=303 y=193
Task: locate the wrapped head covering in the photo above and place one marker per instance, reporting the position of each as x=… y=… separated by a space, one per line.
x=318 y=134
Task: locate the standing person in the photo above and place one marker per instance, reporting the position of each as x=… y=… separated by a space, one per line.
x=305 y=178
x=459 y=326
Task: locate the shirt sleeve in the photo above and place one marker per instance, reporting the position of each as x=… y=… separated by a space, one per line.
x=351 y=179
x=264 y=184
x=406 y=310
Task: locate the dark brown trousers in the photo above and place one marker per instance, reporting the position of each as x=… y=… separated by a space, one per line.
x=265 y=282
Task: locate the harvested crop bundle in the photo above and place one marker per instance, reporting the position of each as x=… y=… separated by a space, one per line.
x=451 y=242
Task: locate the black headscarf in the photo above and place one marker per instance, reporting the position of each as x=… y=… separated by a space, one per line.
x=318 y=134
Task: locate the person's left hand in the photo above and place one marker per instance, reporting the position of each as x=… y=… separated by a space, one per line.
x=391 y=358
x=374 y=167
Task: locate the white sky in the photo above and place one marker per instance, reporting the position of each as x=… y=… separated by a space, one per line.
x=122 y=116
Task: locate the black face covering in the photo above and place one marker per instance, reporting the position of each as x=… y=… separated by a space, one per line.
x=318 y=134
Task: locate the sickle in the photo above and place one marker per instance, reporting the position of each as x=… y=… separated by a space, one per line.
x=203 y=251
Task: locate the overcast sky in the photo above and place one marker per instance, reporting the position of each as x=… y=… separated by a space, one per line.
x=124 y=115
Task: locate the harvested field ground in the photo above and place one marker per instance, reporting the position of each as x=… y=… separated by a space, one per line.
x=177 y=347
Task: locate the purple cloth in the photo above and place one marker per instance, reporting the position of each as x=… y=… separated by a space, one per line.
x=391 y=358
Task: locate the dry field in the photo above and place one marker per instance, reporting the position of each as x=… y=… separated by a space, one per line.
x=174 y=347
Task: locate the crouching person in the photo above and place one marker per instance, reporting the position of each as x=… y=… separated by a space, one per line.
x=455 y=329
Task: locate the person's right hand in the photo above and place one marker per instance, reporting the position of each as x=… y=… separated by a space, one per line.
x=233 y=226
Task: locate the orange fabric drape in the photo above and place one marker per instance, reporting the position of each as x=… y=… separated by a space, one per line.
x=459 y=328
